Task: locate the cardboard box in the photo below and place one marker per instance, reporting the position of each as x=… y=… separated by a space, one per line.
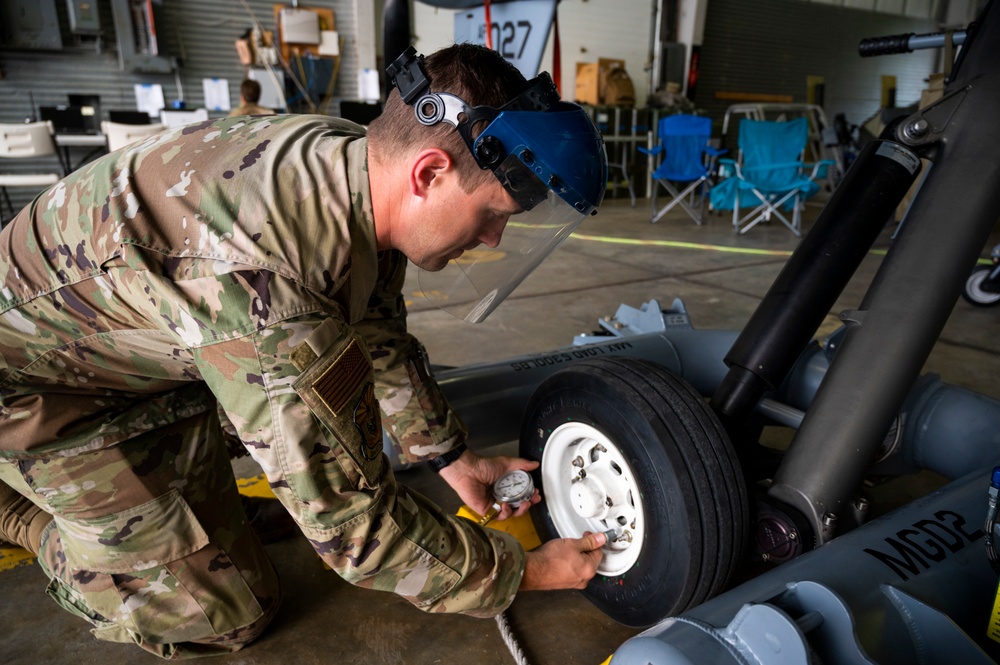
x=587 y=84
x=604 y=67
x=592 y=80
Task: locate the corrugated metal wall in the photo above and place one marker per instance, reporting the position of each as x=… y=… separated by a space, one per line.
x=199 y=32
x=771 y=46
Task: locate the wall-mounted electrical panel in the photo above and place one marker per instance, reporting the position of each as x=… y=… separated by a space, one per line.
x=84 y=19
x=135 y=27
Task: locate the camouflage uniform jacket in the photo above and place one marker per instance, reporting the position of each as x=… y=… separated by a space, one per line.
x=233 y=264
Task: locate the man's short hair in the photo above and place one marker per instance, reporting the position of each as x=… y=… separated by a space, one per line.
x=250 y=91
x=477 y=75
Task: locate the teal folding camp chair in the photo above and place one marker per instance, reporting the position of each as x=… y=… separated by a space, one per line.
x=770 y=175
x=686 y=160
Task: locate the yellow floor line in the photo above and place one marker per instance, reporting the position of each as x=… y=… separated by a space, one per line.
x=713 y=248
x=681 y=245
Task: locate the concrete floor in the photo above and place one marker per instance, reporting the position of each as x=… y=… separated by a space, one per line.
x=324 y=620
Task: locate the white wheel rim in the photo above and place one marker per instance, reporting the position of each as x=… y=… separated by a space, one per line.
x=974 y=287
x=605 y=496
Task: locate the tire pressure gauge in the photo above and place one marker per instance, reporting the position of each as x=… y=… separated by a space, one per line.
x=514 y=488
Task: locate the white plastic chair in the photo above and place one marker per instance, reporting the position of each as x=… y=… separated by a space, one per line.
x=120 y=135
x=26 y=141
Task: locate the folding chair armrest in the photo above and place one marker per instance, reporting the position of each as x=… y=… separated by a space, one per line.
x=729 y=167
x=713 y=158
x=650 y=151
x=775 y=165
x=823 y=163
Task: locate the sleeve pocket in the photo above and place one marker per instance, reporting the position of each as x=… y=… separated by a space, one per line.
x=340 y=391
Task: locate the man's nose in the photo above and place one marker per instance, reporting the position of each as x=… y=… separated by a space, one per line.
x=491 y=235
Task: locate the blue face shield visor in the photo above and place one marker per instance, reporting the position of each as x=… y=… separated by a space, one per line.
x=548 y=156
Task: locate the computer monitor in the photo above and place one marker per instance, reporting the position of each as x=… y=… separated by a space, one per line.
x=271 y=86
x=90 y=107
x=64 y=119
x=174 y=119
x=129 y=117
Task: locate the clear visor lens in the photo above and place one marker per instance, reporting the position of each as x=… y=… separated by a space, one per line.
x=474 y=284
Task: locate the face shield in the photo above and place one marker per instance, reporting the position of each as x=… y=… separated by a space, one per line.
x=547 y=155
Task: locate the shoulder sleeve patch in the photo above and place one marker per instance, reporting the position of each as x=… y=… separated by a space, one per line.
x=341 y=380
x=339 y=391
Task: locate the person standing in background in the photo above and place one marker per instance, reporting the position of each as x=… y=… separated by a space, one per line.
x=249 y=96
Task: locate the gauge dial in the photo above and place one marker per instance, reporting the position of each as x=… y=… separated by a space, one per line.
x=514 y=487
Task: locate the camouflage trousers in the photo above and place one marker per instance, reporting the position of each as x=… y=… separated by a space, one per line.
x=149 y=542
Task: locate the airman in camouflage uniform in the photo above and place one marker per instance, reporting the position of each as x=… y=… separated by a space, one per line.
x=225 y=275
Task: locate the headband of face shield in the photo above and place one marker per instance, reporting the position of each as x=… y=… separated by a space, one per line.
x=549 y=157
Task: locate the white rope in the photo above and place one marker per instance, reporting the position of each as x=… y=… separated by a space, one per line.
x=509 y=640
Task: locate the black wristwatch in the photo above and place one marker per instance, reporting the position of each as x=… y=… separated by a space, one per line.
x=441 y=461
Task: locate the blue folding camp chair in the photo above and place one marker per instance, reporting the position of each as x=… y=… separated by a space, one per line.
x=686 y=158
x=770 y=174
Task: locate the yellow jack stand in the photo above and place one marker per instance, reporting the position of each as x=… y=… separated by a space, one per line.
x=520 y=527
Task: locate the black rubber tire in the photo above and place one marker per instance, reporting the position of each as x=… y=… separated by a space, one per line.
x=973 y=290
x=691 y=486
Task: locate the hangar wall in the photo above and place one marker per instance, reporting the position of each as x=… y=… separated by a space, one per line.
x=771 y=46
x=762 y=46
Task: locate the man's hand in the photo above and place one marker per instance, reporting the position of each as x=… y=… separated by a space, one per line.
x=472 y=478
x=566 y=563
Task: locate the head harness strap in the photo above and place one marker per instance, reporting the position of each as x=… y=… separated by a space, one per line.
x=407 y=74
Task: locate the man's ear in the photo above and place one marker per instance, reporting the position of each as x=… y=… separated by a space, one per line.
x=425 y=170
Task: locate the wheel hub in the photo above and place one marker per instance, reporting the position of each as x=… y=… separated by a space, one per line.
x=589 y=486
x=589 y=498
